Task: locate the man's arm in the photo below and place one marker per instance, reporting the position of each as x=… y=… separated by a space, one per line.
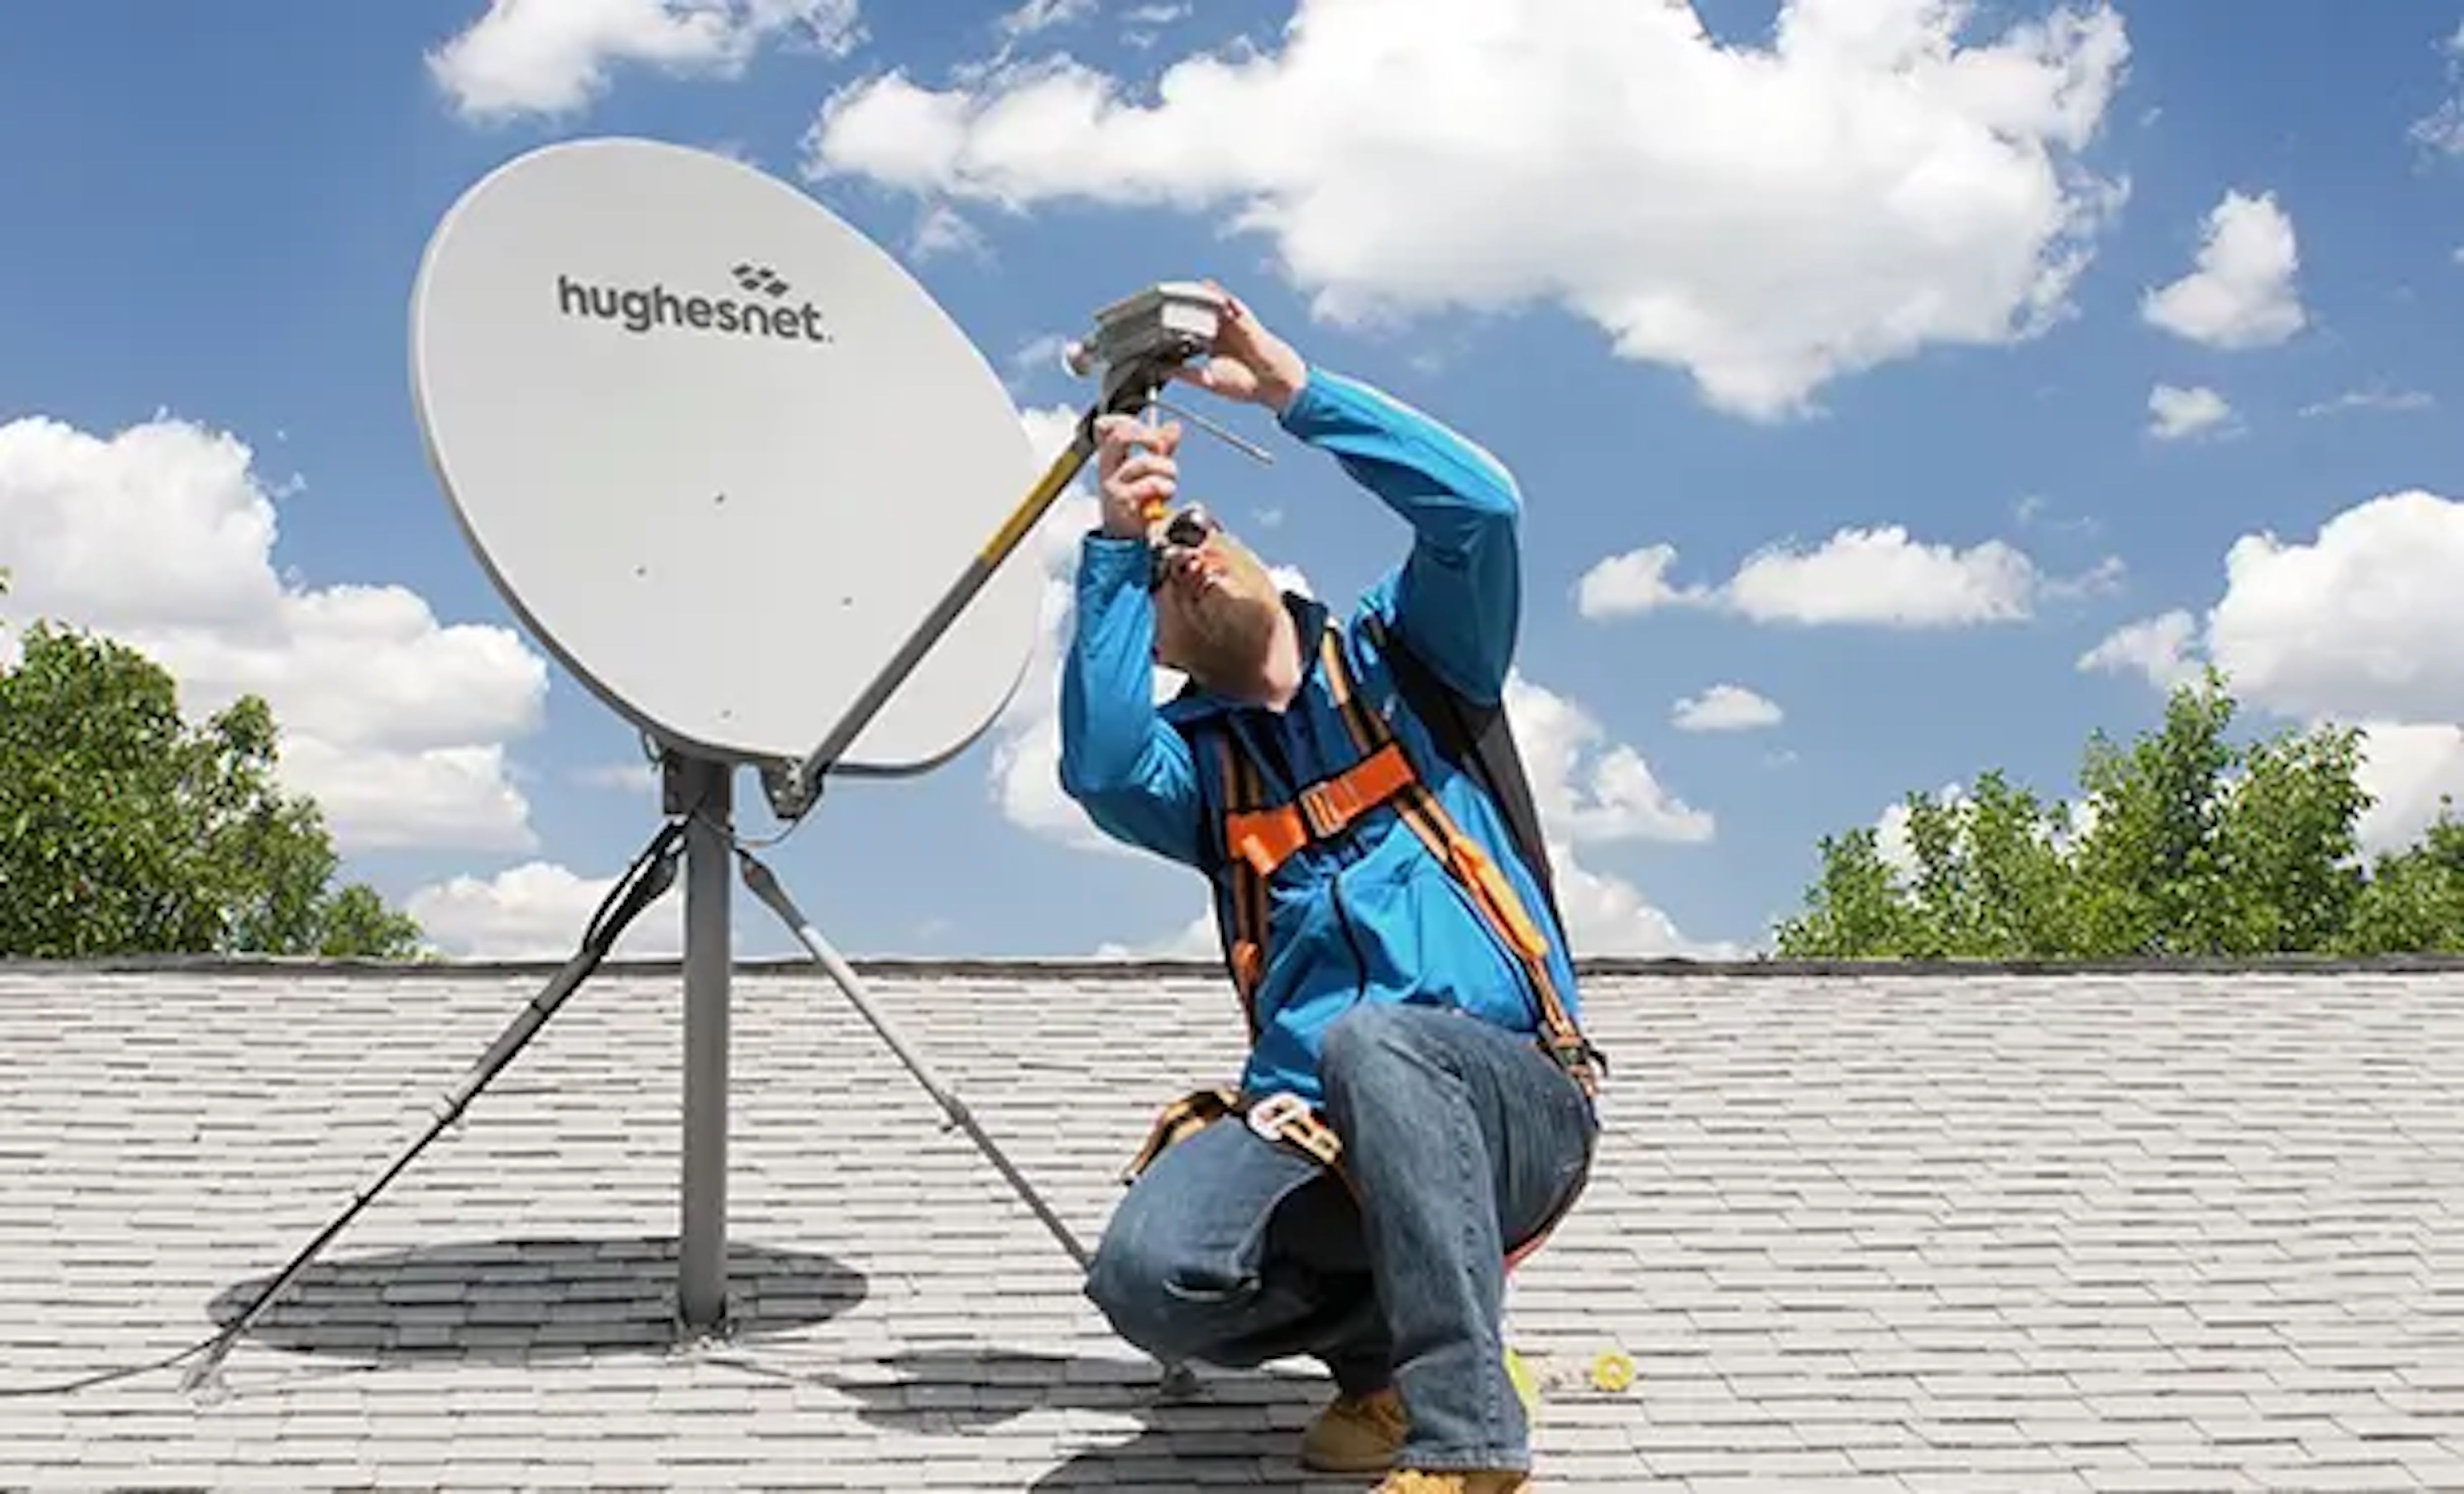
x=1458 y=599
x=1120 y=761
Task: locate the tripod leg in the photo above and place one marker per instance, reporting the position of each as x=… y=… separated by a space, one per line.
x=767 y=887
x=1178 y=1380
x=655 y=870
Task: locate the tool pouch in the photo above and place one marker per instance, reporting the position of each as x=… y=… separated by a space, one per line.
x=1282 y=1119
x=1183 y=1118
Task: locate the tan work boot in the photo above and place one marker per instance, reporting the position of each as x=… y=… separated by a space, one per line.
x=1456 y=1481
x=1356 y=1433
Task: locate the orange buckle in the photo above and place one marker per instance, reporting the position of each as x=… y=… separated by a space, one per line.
x=1329 y=805
x=1332 y=803
x=1265 y=838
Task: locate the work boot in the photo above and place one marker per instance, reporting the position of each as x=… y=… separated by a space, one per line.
x=1356 y=1433
x=1456 y=1481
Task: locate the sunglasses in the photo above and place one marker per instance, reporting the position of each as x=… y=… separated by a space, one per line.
x=1189 y=530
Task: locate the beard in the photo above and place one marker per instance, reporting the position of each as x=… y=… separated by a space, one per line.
x=1227 y=633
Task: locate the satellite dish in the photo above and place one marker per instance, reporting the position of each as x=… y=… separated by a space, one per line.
x=749 y=483
x=720 y=453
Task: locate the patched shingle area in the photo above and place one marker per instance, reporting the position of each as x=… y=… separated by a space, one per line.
x=1904 y=1231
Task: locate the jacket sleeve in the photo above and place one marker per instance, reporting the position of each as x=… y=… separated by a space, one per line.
x=1120 y=761
x=1457 y=599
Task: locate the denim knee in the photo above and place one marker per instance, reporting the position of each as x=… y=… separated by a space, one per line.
x=1127 y=1284
x=1181 y=1271
x=1374 y=1043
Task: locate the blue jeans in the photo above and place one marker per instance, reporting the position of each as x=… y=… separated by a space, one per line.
x=1460 y=1140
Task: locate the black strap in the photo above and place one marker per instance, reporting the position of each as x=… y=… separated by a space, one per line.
x=1479 y=739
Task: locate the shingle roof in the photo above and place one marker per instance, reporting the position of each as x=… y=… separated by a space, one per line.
x=1894 y=1231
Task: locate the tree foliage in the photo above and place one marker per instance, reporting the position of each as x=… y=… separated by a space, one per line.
x=2184 y=843
x=124 y=829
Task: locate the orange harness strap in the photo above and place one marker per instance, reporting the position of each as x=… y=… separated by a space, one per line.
x=1472 y=866
x=1267 y=838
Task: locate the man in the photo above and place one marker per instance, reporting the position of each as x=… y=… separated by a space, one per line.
x=1400 y=969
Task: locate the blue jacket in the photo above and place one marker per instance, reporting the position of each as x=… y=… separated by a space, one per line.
x=1371 y=916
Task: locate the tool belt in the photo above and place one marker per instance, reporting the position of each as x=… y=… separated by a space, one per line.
x=1285 y=1119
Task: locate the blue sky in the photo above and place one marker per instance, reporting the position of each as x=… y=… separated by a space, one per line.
x=1949 y=366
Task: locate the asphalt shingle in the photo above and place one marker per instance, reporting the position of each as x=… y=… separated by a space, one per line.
x=2125 y=1231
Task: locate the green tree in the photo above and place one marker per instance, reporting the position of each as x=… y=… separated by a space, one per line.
x=127 y=830
x=1989 y=881
x=2413 y=902
x=2186 y=844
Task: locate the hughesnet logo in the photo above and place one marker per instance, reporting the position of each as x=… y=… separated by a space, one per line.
x=643 y=309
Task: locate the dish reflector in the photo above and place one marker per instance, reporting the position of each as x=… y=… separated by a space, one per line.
x=720 y=452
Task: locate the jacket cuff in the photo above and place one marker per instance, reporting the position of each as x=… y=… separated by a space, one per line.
x=1309 y=409
x=1107 y=562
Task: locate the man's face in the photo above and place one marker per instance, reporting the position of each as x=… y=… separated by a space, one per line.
x=1214 y=604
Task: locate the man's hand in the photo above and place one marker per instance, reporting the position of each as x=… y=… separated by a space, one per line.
x=1250 y=363
x=1139 y=485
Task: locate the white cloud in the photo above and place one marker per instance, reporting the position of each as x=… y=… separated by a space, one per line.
x=941 y=231
x=2406 y=769
x=1873 y=577
x=1590 y=792
x=537 y=911
x=554 y=57
x=1141 y=24
x=1038 y=355
x=1892 y=843
x=1724 y=708
x=2366 y=622
x=2240 y=294
x=1037 y=15
x=1195 y=939
x=1634 y=582
x=2375 y=397
x=1587 y=789
x=2442 y=129
x=2362 y=625
x=1026 y=759
x=2176 y=414
x=1769 y=219
x=2159 y=648
x=1607 y=917
x=161 y=536
x=378 y=799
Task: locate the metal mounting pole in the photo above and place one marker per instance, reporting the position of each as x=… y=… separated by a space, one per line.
x=704 y=790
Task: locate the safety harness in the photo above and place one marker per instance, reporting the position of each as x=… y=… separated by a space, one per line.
x=1259 y=838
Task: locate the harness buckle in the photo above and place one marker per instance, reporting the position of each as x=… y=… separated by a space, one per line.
x=1286 y=1117
x=1328 y=805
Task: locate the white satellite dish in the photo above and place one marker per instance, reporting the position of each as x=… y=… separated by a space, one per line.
x=720 y=453
x=742 y=476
